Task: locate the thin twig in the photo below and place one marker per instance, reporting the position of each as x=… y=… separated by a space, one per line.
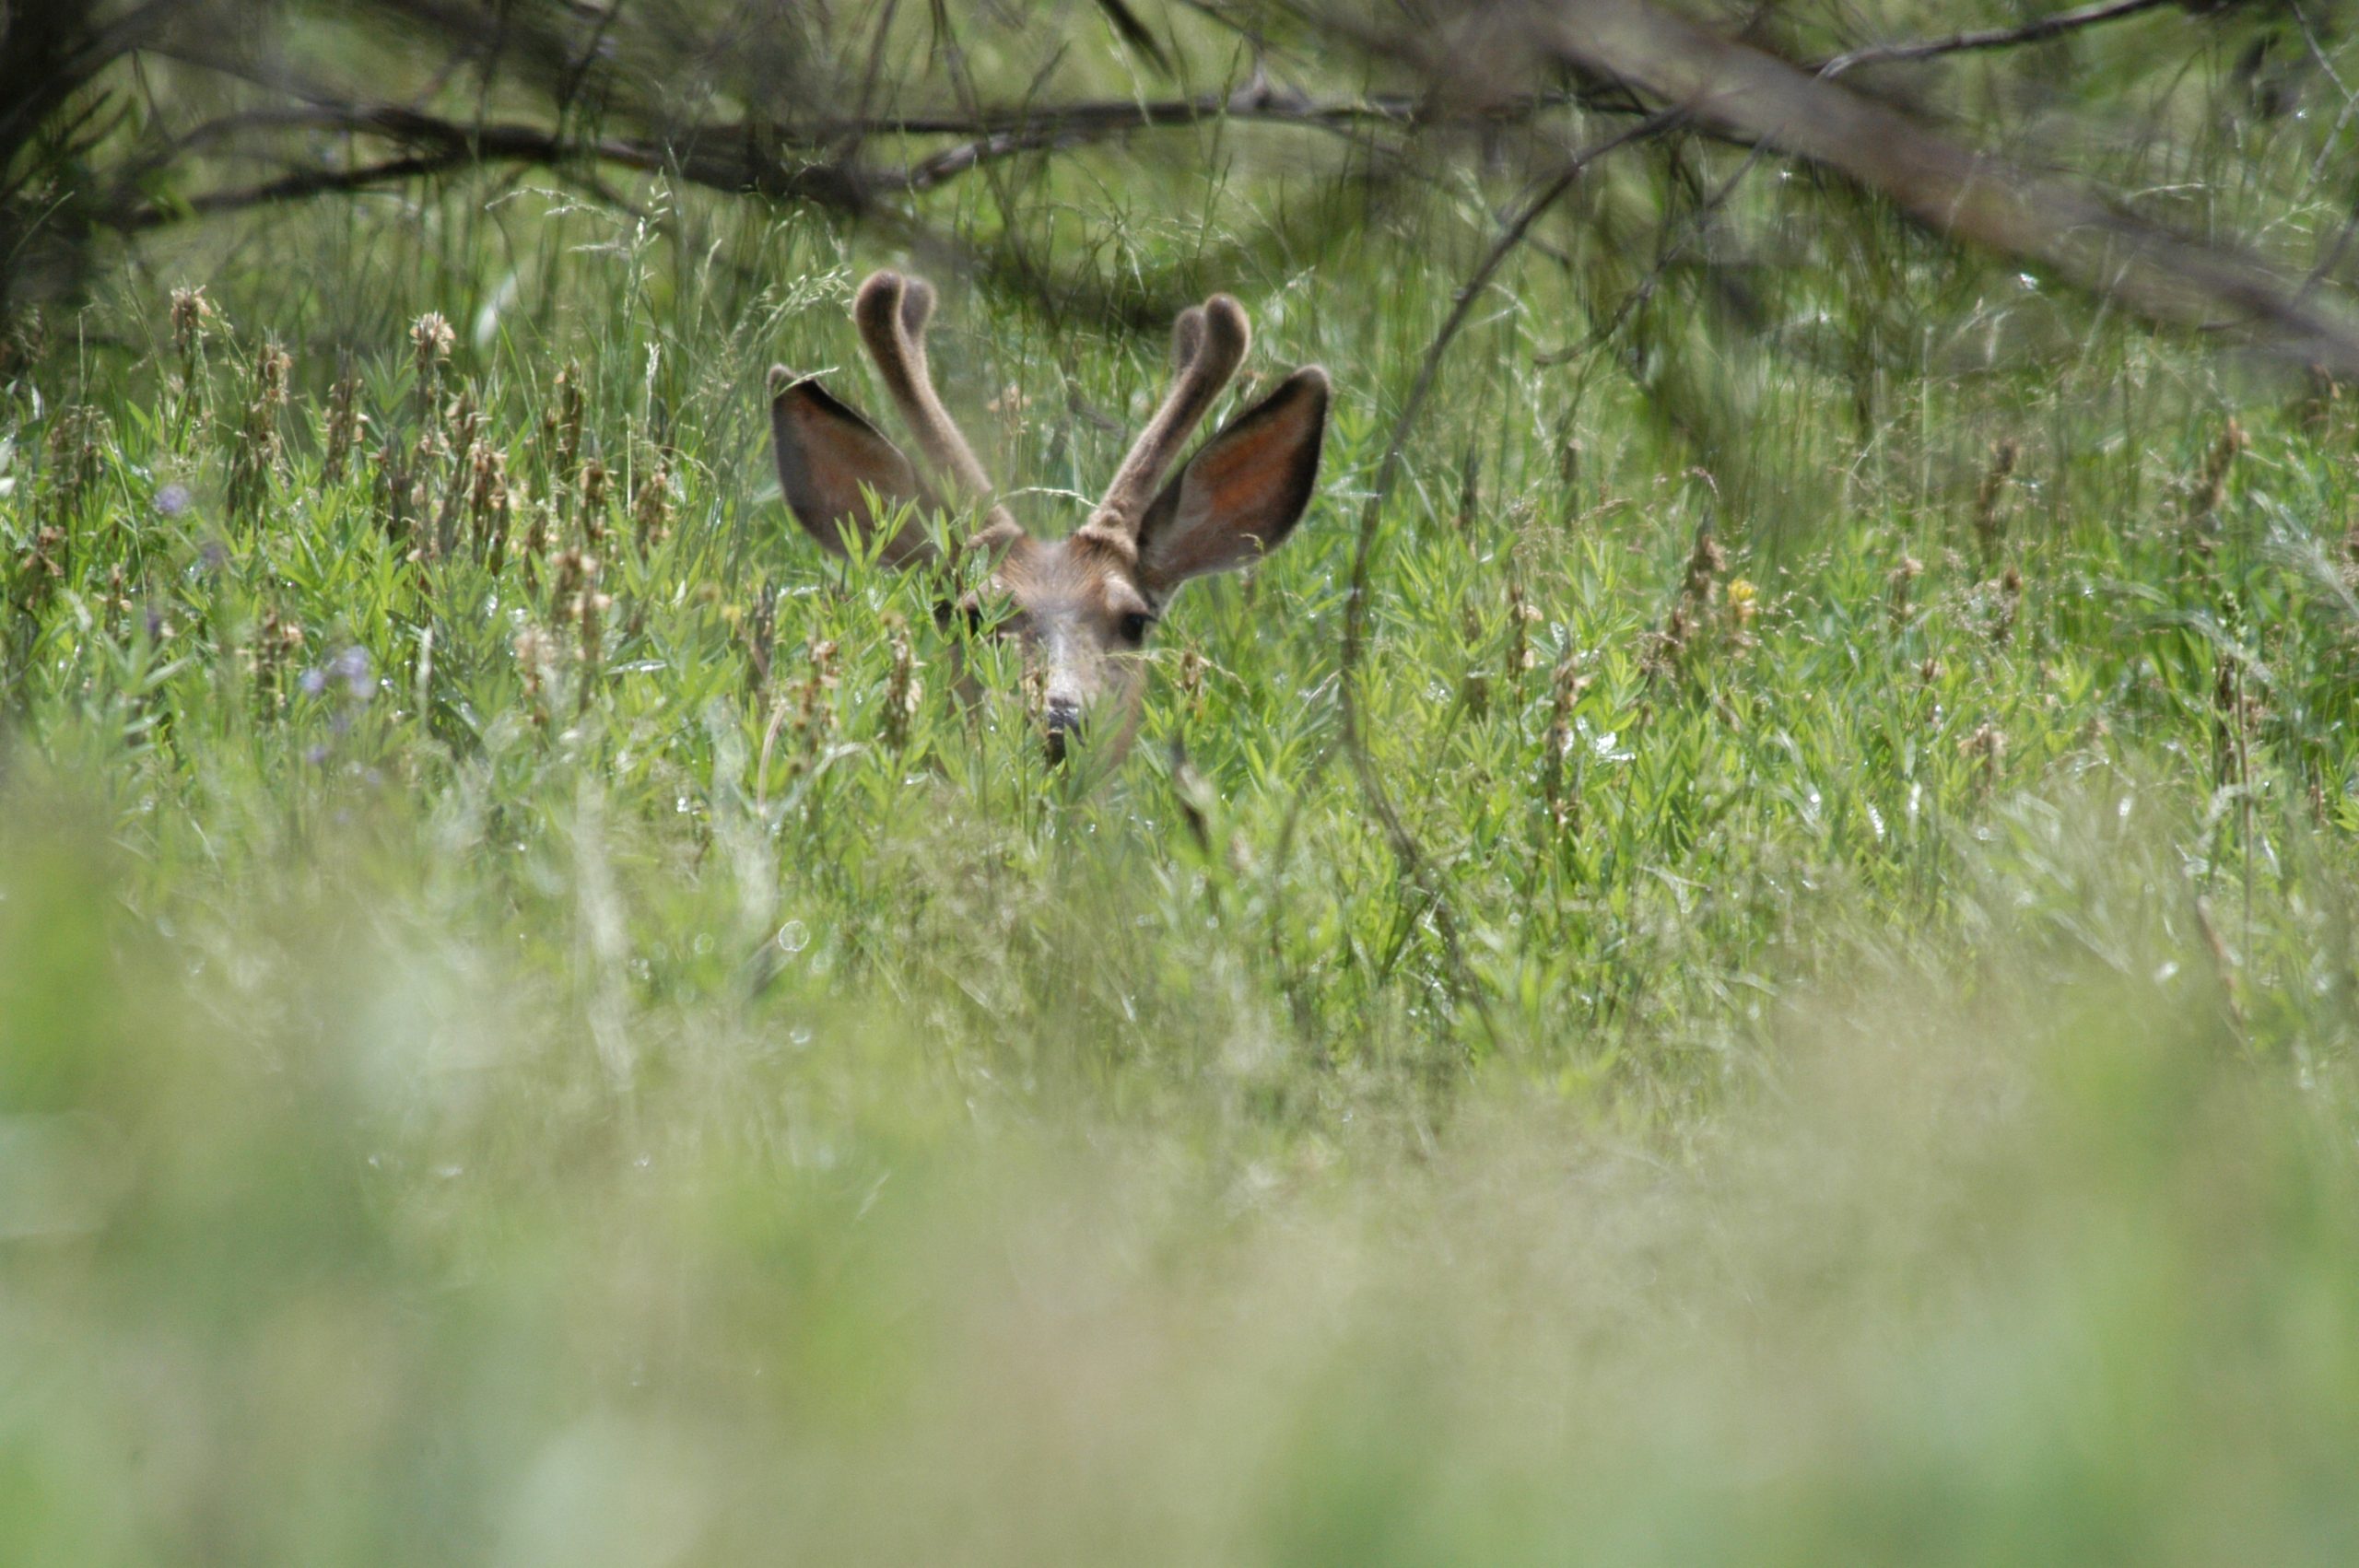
x=2039 y=32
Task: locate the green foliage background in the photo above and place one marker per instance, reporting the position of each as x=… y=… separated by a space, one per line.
x=478 y=1087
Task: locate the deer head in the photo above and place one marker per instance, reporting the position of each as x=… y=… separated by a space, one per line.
x=1083 y=606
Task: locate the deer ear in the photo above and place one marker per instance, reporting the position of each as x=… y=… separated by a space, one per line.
x=825 y=454
x=1244 y=490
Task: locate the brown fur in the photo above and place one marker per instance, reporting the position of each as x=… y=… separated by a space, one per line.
x=1082 y=606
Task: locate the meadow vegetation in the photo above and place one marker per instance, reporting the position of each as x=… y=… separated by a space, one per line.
x=536 y=1028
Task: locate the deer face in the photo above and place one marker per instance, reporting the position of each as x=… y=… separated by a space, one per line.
x=1081 y=607
x=1083 y=621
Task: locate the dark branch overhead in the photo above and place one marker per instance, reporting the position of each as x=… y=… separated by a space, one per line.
x=2041 y=30
x=763 y=158
x=801 y=105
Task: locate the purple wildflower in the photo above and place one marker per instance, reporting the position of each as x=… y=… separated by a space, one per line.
x=315 y=682
x=173 y=499
x=351 y=667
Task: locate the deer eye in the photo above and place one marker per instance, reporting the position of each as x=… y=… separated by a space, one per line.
x=986 y=618
x=1133 y=626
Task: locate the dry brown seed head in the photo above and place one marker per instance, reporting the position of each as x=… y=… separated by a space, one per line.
x=1567 y=687
x=272 y=365
x=593 y=501
x=902 y=689
x=2211 y=488
x=1988 y=516
x=652 y=508
x=430 y=340
x=462 y=423
x=569 y=415
x=344 y=422
x=1705 y=563
x=192 y=312
x=1903 y=577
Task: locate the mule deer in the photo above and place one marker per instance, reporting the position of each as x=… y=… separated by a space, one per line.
x=1082 y=605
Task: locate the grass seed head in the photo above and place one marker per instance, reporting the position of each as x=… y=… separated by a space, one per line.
x=574 y=570
x=590 y=613
x=903 y=690
x=192 y=317
x=345 y=423
x=814 y=702
x=1903 y=583
x=276 y=643
x=1989 y=515
x=487 y=501
x=462 y=422
x=1189 y=681
x=1987 y=748
x=1705 y=562
x=536 y=656
x=39 y=568
x=563 y=426
x=1670 y=650
x=430 y=341
x=594 y=503
x=2010 y=603
x=394 y=491
x=651 y=507
x=424 y=458
x=257 y=451
x=1522 y=615
x=1559 y=793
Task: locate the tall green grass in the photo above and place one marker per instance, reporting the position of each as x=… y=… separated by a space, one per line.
x=502 y=1060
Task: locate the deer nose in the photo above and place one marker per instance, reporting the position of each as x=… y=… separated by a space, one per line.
x=1063 y=715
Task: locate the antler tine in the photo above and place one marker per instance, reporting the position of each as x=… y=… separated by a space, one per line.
x=1208 y=343
x=892 y=311
x=1187 y=338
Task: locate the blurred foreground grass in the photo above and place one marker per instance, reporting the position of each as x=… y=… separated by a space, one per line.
x=355 y=1254
x=534 y=1030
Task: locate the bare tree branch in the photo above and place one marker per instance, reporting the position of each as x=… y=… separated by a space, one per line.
x=746 y=158
x=2053 y=222
x=2039 y=32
